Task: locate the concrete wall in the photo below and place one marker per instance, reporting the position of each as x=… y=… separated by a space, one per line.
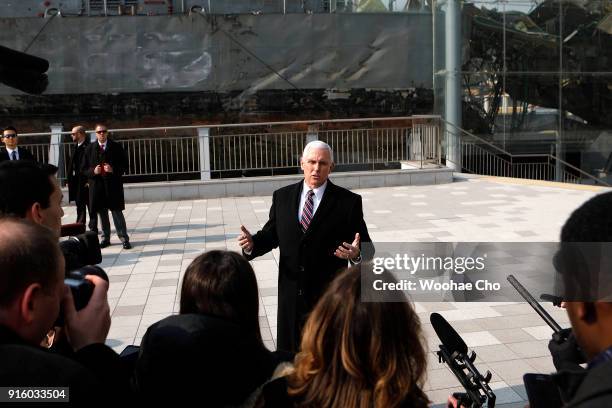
x=265 y=186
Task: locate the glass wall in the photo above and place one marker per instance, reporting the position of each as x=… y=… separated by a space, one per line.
x=536 y=77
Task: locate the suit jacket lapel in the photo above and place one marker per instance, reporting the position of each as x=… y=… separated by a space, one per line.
x=324 y=208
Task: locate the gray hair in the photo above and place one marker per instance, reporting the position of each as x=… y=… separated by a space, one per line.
x=317 y=144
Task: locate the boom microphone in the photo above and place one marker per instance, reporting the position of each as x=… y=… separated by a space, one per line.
x=18 y=61
x=454 y=352
x=23 y=71
x=447 y=335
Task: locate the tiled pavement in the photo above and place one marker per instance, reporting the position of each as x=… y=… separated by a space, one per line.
x=509 y=338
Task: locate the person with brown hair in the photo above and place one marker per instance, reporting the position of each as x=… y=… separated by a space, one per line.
x=213 y=347
x=355 y=354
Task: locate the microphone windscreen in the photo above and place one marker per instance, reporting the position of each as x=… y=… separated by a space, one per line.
x=13 y=60
x=447 y=335
x=69 y=230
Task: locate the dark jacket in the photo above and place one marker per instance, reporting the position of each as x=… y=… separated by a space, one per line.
x=105 y=190
x=590 y=388
x=24 y=154
x=193 y=357
x=77 y=182
x=274 y=395
x=90 y=370
x=307 y=263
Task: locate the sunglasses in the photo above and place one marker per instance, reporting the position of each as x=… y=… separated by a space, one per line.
x=10 y=136
x=101 y=132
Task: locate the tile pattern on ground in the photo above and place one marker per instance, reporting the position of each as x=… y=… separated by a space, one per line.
x=509 y=339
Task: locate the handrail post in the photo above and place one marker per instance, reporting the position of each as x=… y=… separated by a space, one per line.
x=55 y=144
x=204 y=146
x=558 y=155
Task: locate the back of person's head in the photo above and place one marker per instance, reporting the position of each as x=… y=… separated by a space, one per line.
x=31 y=278
x=23 y=183
x=213 y=347
x=359 y=354
x=222 y=284
x=585 y=260
x=591 y=222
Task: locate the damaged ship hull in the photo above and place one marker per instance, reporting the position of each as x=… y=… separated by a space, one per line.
x=199 y=68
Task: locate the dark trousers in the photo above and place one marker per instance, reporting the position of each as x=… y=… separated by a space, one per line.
x=119 y=221
x=82 y=208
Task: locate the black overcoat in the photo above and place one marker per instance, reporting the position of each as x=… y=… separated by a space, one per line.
x=307 y=263
x=105 y=190
x=77 y=181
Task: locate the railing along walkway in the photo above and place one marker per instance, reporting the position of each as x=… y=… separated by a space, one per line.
x=237 y=150
x=479 y=156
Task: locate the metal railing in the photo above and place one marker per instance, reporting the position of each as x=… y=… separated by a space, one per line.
x=479 y=156
x=118 y=7
x=237 y=150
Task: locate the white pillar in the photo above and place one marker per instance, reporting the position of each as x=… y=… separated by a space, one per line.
x=204 y=145
x=453 y=84
x=313 y=133
x=55 y=149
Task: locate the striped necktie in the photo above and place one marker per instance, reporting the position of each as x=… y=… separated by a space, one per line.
x=308 y=211
x=14 y=155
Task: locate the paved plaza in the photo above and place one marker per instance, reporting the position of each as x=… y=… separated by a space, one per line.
x=510 y=339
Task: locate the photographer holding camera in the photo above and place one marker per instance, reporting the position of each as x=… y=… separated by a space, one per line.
x=31 y=192
x=31 y=291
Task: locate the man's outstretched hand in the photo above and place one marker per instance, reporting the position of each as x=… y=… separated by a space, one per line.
x=349 y=251
x=245 y=240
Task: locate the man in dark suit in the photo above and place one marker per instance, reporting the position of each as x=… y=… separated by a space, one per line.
x=11 y=151
x=78 y=190
x=103 y=164
x=312 y=222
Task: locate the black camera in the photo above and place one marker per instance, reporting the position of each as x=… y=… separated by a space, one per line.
x=81 y=288
x=81 y=252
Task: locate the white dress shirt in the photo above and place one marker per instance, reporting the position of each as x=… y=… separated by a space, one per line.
x=316 y=199
x=10 y=153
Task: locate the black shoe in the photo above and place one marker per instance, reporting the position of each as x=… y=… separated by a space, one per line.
x=127 y=245
x=104 y=243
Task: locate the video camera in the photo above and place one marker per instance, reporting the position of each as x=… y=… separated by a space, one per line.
x=81 y=252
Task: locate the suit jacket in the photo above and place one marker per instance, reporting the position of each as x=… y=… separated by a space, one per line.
x=24 y=154
x=307 y=263
x=105 y=190
x=77 y=182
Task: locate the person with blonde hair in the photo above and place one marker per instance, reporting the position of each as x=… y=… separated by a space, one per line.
x=355 y=354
